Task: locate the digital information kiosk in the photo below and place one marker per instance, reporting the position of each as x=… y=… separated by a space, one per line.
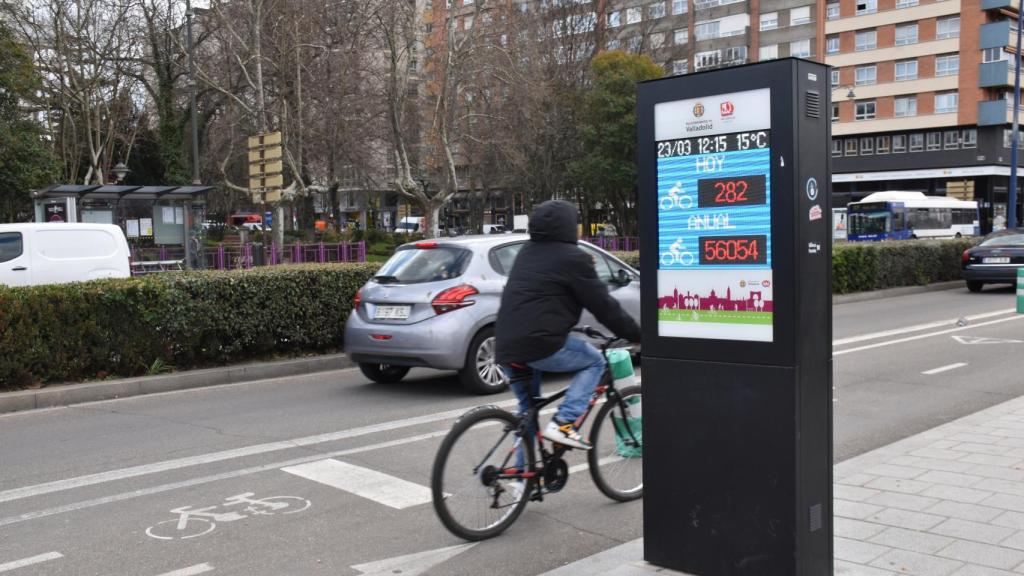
x=737 y=354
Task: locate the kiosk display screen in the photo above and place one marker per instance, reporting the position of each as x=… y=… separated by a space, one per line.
x=714 y=217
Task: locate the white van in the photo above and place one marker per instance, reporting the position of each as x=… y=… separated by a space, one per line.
x=409 y=225
x=56 y=253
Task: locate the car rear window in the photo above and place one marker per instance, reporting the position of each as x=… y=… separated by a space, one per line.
x=412 y=265
x=1005 y=240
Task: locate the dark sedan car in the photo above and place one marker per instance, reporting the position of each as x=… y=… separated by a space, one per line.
x=995 y=260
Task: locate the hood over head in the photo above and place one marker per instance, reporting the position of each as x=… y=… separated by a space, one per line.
x=554 y=221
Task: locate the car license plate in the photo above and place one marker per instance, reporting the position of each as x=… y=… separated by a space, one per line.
x=391 y=313
x=996 y=260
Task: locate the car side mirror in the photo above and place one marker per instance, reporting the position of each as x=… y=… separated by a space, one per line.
x=623 y=277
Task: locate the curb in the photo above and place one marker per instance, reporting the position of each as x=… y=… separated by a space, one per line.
x=894 y=292
x=66 y=394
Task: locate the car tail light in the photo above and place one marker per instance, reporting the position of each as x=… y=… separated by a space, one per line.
x=454 y=298
x=380 y=336
x=426 y=245
x=358 y=299
x=966 y=257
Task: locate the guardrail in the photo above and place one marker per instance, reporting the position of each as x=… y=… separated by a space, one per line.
x=615 y=243
x=244 y=256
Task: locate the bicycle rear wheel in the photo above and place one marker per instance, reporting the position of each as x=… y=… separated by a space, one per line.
x=616 y=459
x=473 y=495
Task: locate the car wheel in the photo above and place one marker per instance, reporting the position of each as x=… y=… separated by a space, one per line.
x=384 y=373
x=975 y=286
x=481 y=373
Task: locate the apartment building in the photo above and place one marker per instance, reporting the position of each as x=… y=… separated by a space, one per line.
x=922 y=98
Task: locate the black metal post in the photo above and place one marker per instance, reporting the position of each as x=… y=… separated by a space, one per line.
x=1011 y=208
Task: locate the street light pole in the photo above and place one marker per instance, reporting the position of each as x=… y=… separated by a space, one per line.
x=1011 y=208
x=192 y=94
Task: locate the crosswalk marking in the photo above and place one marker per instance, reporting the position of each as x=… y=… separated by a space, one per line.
x=191 y=570
x=30 y=561
x=370 y=484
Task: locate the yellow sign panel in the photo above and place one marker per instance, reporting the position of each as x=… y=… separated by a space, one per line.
x=260 y=168
x=261 y=154
x=267 y=139
x=268 y=181
x=274 y=195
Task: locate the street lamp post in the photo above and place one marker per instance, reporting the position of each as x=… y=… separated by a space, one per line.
x=1011 y=208
x=189 y=13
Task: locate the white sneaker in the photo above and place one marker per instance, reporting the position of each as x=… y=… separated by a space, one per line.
x=515 y=490
x=566 y=434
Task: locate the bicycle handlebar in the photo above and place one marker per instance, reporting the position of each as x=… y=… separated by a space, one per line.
x=592 y=332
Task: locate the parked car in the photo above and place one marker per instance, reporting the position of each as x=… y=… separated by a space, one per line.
x=434 y=304
x=32 y=254
x=995 y=260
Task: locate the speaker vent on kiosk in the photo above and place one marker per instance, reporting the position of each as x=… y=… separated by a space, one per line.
x=812 y=103
x=815 y=519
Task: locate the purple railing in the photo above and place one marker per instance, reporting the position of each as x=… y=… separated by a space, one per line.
x=238 y=256
x=616 y=243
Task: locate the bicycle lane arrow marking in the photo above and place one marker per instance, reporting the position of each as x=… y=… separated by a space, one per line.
x=364 y=482
x=411 y=564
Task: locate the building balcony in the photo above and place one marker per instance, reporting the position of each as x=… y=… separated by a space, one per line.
x=1000 y=4
x=995 y=74
x=996 y=112
x=997 y=35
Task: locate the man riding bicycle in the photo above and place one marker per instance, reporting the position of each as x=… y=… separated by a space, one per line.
x=552 y=281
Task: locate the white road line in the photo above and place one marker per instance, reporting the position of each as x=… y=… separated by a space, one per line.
x=30 y=561
x=213 y=478
x=177 y=463
x=191 y=570
x=918 y=328
x=370 y=484
x=946 y=368
x=920 y=336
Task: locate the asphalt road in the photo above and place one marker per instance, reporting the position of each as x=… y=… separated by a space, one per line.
x=90 y=489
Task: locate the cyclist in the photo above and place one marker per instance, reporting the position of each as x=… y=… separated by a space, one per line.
x=552 y=281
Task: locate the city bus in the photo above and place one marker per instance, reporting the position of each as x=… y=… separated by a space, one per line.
x=903 y=215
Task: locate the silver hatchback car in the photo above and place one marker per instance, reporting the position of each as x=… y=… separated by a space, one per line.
x=434 y=304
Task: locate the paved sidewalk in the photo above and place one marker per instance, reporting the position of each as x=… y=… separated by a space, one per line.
x=946 y=502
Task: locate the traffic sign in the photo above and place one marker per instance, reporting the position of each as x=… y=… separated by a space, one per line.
x=265 y=167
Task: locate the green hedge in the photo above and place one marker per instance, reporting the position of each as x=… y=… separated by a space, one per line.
x=142 y=325
x=866 y=266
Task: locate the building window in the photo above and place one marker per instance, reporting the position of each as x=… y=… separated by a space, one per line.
x=866 y=40
x=865 y=110
x=707 y=30
x=882 y=145
x=905 y=106
x=906 y=34
x=769 y=21
x=867 y=7
x=682 y=36
x=947 y=65
x=993 y=55
x=970 y=138
x=614 y=19
x=899 y=143
x=633 y=43
x=934 y=140
x=1008 y=138
x=679 y=67
x=800 y=48
x=736 y=55
x=867 y=146
x=467 y=22
x=947 y=28
x=905 y=3
x=613 y=44
x=837 y=147
x=832 y=11
x=680 y=6
x=633 y=15
x=916 y=142
x=703 y=60
x=769 y=52
x=951 y=139
x=851 y=146
x=835 y=77
x=946 y=102
x=906 y=70
x=832 y=44
x=865 y=75
x=657 y=40
x=656 y=10
x=835 y=112
x=800 y=15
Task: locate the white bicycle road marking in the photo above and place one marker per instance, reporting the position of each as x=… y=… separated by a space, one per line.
x=942 y=369
x=371 y=484
x=919 y=327
x=8 y=566
x=195 y=522
x=920 y=336
x=190 y=571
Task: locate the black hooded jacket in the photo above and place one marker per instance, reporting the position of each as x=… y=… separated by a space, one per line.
x=551 y=283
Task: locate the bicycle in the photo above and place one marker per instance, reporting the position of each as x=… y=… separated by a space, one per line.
x=477 y=485
x=676 y=199
x=683 y=257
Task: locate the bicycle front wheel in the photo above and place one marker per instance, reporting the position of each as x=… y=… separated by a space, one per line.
x=616 y=459
x=476 y=494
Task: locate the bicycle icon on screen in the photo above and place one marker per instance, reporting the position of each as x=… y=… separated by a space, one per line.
x=677 y=254
x=677 y=198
